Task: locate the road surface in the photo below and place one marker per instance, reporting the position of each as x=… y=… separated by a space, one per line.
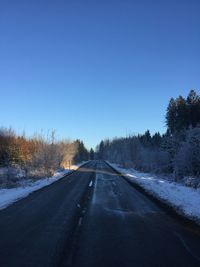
x=94 y=218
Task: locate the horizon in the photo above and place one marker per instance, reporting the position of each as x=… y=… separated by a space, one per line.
x=46 y=132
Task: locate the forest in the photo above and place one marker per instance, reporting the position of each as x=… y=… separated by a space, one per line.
x=36 y=157
x=175 y=152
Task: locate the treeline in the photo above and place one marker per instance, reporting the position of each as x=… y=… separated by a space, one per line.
x=40 y=155
x=183 y=114
x=177 y=151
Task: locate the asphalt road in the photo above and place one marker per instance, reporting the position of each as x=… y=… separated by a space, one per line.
x=94 y=218
x=34 y=231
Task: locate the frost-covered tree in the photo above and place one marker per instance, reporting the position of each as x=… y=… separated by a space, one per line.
x=187 y=160
x=40 y=155
x=177 y=151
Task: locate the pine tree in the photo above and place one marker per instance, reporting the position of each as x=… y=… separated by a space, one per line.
x=181 y=122
x=156 y=140
x=146 y=138
x=193 y=102
x=82 y=153
x=101 y=150
x=171 y=116
x=91 y=154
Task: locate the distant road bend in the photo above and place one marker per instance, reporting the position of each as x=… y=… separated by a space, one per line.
x=93 y=218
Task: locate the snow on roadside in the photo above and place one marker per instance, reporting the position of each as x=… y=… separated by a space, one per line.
x=11 y=195
x=75 y=167
x=184 y=199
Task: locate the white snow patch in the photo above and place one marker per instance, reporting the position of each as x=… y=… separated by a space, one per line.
x=9 y=196
x=91 y=184
x=75 y=167
x=184 y=199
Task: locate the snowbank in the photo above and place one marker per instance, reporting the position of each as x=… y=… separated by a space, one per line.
x=184 y=199
x=9 y=196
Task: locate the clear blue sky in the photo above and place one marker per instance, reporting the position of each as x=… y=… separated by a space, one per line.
x=95 y=69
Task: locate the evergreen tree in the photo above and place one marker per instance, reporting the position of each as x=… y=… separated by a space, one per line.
x=181 y=121
x=91 y=154
x=156 y=140
x=82 y=153
x=146 y=138
x=101 y=150
x=193 y=102
x=171 y=116
x=183 y=113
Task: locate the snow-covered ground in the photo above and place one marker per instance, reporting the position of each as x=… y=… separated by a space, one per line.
x=184 y=199
x=9 y=196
